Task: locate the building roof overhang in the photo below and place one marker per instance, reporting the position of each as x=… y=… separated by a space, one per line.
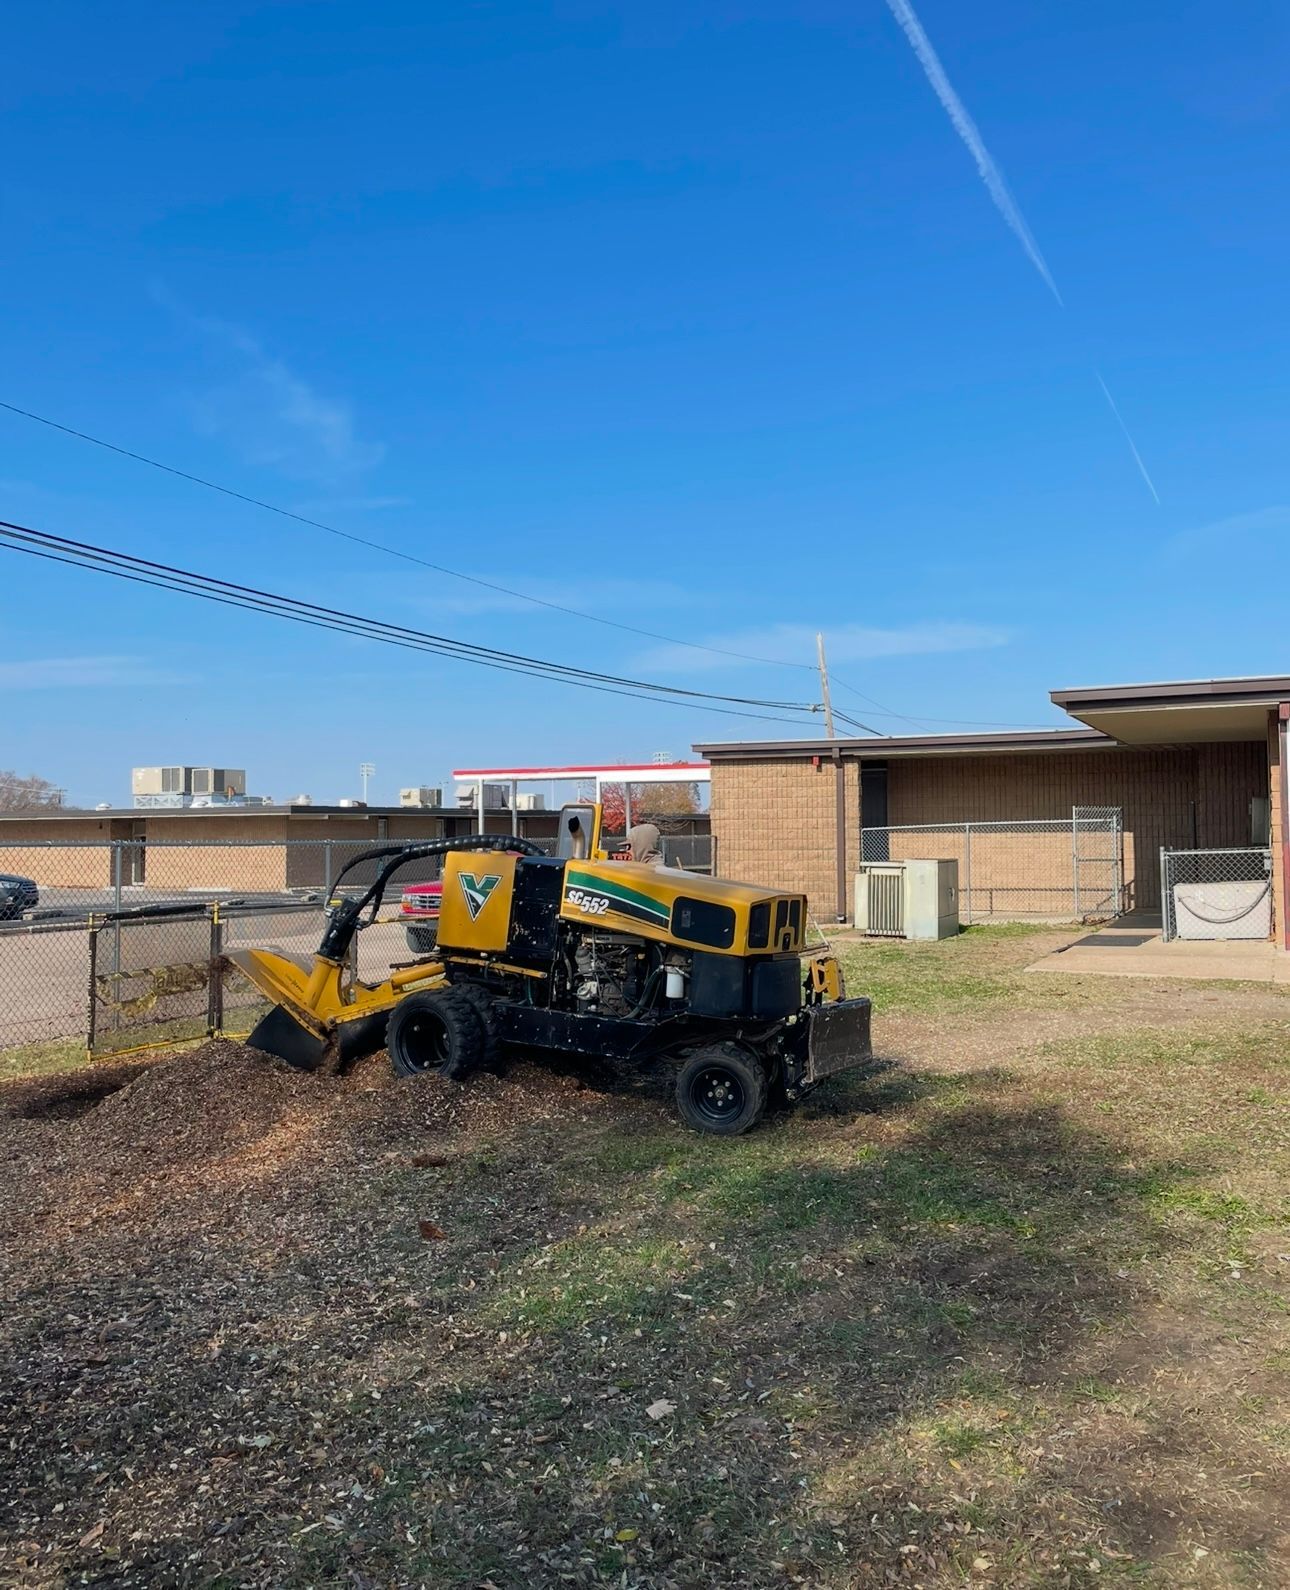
x=1178 y=712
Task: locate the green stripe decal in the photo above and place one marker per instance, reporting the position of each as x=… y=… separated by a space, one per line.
x=619 y=891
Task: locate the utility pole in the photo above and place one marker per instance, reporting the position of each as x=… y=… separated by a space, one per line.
x=824 y=688
x=365 y=771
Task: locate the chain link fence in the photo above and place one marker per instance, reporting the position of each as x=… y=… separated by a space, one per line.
x=1045 y=869
x=137 y=974
x=53 y=952
x=1216 y=894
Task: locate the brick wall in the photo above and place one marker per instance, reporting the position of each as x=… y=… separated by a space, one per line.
x=24 y=849
x=1169 y=797
x=774 y=818
x=196 y=865
x=773 y=821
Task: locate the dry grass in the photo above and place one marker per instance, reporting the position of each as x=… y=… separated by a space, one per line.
x=1012 y=1311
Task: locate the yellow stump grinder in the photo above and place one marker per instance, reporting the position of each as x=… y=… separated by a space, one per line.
x=581 y=954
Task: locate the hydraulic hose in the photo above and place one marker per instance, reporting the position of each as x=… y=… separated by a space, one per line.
x=343 y=923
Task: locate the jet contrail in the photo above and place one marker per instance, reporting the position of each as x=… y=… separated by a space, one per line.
x=996 y=187
x=967 y=131
x=1137 y=456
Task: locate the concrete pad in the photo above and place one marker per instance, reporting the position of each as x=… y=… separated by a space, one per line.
x=1128 y=951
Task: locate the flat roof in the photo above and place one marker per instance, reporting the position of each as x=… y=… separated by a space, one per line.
x=898 y=745
x=1265 y=689
x=1178 y=711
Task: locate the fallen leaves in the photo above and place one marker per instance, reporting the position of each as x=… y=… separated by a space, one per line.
x=660 y=1408
x=430 y=1232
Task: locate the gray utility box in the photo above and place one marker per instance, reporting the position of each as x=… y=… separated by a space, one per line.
x=908 y=899
x=1234 y=910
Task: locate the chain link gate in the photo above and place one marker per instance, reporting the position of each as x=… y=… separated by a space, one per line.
x=1097 y=862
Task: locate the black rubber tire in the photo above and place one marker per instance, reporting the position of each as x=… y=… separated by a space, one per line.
x=482 y=1003
x=422 y=937
x=722 y=1089
x=435 y=1034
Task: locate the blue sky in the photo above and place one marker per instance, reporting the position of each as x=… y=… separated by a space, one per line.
x=701 y=318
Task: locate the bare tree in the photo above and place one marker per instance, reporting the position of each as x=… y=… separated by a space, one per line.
x=30 y=794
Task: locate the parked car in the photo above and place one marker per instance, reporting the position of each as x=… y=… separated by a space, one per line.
x=16 y=896
x=419 y=909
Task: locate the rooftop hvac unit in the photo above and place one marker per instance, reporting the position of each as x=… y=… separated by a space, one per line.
x=301 y=800
x=495 y=795
x=908 y=899
x=420 y=795
x=530 y=803
x=351 y=805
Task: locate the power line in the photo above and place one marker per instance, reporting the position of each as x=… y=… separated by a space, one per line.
x=855 y=723
x=383 y=546
x=143 y=571
x=921 y=723
x=885 y=712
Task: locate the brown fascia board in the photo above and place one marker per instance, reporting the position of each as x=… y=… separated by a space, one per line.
x=1254 y=691
x=910 y=745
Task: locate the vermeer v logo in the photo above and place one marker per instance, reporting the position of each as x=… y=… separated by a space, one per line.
x=477 y=890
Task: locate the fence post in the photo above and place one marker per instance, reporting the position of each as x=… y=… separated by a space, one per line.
x=214 y=981
x=92 y=1024
x=967 y=868
x=1164 y=906
x=118 y=852
x=327 y=867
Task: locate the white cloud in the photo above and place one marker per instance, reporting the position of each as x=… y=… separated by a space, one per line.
x=1238 y=531
x=268 y=412
x=795 y=643
x=81 y=673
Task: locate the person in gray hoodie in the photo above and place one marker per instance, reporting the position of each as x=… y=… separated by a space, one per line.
x=645 y=844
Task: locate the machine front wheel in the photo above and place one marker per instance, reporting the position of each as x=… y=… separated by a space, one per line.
x=434 y=1034
x=722 y=1088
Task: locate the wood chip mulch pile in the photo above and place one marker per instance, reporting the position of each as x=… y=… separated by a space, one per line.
x=197 y=1257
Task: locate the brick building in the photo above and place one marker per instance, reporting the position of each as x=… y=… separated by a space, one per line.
x=1190 y=765
x=227 y=847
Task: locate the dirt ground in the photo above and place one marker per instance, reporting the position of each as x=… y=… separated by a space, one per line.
x=1012 y=1309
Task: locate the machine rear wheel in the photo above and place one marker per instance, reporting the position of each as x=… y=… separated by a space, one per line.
x=435 y=1034
x=722 y=1088
x=481 y=1001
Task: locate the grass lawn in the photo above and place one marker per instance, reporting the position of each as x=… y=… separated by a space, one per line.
x=1011 y=1311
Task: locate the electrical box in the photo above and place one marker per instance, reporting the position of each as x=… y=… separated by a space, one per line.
x=908 y=899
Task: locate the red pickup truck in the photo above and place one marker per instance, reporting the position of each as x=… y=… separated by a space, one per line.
x=419 y=910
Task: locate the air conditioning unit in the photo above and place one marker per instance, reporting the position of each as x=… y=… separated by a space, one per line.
x=421 y=795
x=495 y=795
x=530 y=803
x=908 y=899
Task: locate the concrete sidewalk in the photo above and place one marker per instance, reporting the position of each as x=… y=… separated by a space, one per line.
x=1132 y=948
